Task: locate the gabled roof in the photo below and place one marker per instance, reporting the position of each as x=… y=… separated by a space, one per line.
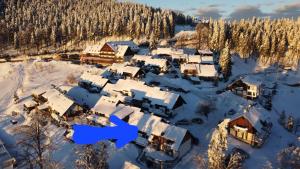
x=122 y=68
x=175 y=134
x=208 y=71
x=149 y=60
x=207 y=59
x=114 y=45
x=123 y=111
x=121 y=50
x=92 y=49
x=145 y=122
x=141 y=57
x=140 y=90
x=105 y=106
x=58 y=102
x=160 y=128
x=194 y=59
x=254 y=116
x=251 y=81
x=205 y=52
x=202 y=70
x=94 y=79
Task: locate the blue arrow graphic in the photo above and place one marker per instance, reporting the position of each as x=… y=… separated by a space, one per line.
x=122 y=132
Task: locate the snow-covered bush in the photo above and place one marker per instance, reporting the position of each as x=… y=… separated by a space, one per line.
x=205 y=108
x=289 y=158
x=92 y=157
x=235 y=161
x=71 y=79
x=200 y=161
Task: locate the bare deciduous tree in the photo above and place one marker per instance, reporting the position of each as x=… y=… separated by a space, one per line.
x=34 y=142
x=92 y=157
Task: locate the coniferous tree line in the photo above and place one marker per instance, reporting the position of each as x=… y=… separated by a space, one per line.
x=27 y=24
x=269 y=41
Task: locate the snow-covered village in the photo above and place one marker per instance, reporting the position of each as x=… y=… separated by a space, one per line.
x=158 y=87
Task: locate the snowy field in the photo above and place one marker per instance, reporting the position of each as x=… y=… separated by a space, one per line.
x=23 y=78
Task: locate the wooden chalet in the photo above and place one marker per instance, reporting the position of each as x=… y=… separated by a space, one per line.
x=59 y=106
x=172 y=140
x=155 y=134
x=246 y=87
x=109 y=53
x=125 y=71
x=203 y=71
x=250 y=127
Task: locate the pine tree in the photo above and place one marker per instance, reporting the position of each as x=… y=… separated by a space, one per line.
x=16 y=41
x=217 y=147
x=225 y=61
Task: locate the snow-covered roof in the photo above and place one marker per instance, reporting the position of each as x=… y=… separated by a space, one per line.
x=208 y=71
x=92 y=49
x=140 y=91
x=175 y=134
x=207 y=60
x=123 y=111
x=58 y=102
x=205 y=52
x=108 y=106
x=115 y=44
x=30 y=103
x=254 y=116
x=145 y=122
x=95 y=79
x=160 y=128
x=202 y=70
x=105 y=106
x=38 y=92
x=189 y=66
x=129 y=165
x=159 y=51
x=141 y=57
x=121 y=51
x=251 y=81
x=194 y=59
x=162 y=63
x=174 y=51
x=122 y=68
x=98 y=119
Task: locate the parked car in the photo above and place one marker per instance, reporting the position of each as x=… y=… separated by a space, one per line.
x=242 y=153
x=197 y=121
x=183 y=122
x=231 y=112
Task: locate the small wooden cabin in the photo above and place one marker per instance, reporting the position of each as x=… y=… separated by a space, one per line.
x=246 y=87
x=109 y=53
x=250 y=127
x=172 y=140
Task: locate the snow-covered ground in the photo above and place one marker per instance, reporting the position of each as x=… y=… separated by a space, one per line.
x=23 y=78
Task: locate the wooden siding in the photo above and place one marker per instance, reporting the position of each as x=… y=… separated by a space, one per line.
x=106 y=48
x=242 y=122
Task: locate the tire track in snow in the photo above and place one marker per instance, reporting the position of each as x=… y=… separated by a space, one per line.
x=7 y=100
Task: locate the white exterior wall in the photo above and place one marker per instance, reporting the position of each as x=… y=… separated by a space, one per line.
x=254 y=90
